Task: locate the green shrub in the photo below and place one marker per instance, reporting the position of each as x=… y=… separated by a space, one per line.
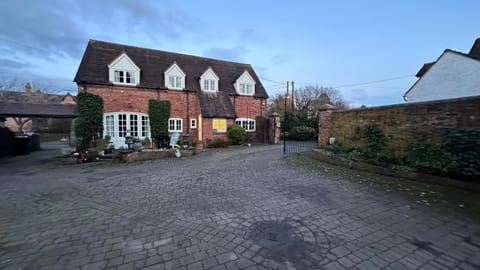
x=428 y=158
x=373 y=136
x=463 y=145
x=89 y=124
x=302 y=133
x=236 y=134
x=158 y=113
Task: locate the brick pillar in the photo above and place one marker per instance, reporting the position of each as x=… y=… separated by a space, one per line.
x=324 y=117
x=274 y=128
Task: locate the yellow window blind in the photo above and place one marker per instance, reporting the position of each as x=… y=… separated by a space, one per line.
x=220 y=125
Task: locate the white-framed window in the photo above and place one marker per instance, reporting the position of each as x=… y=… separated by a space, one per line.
x=145 y=126
x=219 y=125
x=124 y=77
x=109 y=125
x=123 y=71
x=174 y=77
x=122 y=125
x=245 y=89
x=245 y=84
x=134 y=125
x=175 y=82
x=209 y=85
x=193 y=123
x=175 y=124
x=246 y=123
x=209 y=81
x=119 y=125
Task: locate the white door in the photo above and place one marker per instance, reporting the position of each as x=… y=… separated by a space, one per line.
x=123 y=124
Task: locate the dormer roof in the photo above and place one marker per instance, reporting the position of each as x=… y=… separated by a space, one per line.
x=98 y=55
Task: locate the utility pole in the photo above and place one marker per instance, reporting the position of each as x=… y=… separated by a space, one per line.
x=285 y=122
x=293 y=97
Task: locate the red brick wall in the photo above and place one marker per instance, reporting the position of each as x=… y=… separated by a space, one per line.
x=404 y=124
x=184 y=105
x=208 y=135
x=249 y=107
x=131 y=99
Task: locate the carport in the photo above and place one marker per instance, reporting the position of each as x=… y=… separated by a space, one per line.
x=37 y=110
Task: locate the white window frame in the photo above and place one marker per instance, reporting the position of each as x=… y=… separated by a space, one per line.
x=248 y=124
x=245 y=84
x=209 y=81
x=113 y=121
x=174 y=77
x=177 y=124
x=193 y=123
x=122 y=69
x=109 y=125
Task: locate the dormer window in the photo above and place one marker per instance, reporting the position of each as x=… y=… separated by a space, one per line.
x=174 y=77
x=175 y=82
x=245 y=89
x=245 y=84
x=209 y=85
x=123 y=71
x=126 y=77
x=209 y=81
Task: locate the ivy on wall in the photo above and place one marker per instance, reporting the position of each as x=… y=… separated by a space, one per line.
x=159 y=112
x=89 y=124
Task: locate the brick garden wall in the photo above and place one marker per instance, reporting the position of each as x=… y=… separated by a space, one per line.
x=403 y=124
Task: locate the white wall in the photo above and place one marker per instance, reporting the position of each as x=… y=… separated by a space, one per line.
x=452 y=76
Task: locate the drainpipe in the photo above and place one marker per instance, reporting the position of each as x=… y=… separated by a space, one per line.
x=188 y=114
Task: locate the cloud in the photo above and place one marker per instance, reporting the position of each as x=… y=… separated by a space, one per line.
x=62 y=27
x=12 y=64
x=235 y=54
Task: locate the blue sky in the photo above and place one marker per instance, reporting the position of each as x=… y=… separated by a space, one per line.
x=340 y=44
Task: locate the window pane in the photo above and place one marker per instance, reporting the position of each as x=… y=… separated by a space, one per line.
x=122 y=125
x=134 y=125
x=109 y=122
x=249 y=89
x=128 y=77
x=179 y=125
x=222 y=124
x=178 y=83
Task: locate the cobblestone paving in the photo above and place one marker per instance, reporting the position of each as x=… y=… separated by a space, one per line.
x=238 y=208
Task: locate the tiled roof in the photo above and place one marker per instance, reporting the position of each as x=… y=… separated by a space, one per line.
x=33 y=97
x=424 y=69
x=40 y=110
x=153 y=63
x=216 y=105
x=475 y=50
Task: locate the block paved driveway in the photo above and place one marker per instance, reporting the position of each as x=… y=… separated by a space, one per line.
x=237 y=208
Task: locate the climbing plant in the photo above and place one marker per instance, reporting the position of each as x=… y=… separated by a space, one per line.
x=463 y=144
x=159 y=112
x=89 y=124
x=374 y=140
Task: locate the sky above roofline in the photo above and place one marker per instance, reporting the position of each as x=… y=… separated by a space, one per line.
x=369 y=50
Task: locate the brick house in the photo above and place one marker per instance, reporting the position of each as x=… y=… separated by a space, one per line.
x=206 y=95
